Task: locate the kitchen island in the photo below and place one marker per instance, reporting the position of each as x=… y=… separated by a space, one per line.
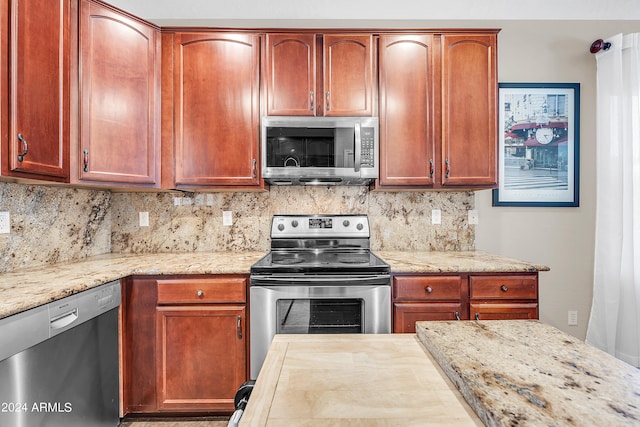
x=519 y=372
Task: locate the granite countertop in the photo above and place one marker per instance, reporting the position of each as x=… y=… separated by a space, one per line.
x=29 y=288
x=455 y=262
x=353 y=380
x=524 y=372
x=25 y=289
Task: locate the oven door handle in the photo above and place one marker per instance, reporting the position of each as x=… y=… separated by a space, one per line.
x=384 y=279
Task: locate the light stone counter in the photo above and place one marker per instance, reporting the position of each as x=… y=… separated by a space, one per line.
x=455 y=262
x=523 y=372
x=25 y=289
x=28 y=288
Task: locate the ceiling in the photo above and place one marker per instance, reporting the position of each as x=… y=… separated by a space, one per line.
x=362 y=13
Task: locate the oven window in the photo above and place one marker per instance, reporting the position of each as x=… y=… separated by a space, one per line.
x=319 y=316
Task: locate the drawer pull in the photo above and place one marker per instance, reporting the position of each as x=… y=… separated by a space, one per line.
x=504 y=288
x=200 y=293
x=239 y=327
x=477 y=316
x=457 y=315
x=429 y=289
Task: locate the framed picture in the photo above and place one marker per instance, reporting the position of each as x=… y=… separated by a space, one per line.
x=539 y=131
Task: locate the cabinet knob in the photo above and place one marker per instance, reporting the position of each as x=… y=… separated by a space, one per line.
x=457 y=314
x=200 y=293
x=429 y=289
x=504 y=288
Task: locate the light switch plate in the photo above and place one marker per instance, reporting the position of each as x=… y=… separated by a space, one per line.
x=572 y=318
x=227 y=218
x=5 y=223
x=436 y=216
x=144 y=219
x=473 y=216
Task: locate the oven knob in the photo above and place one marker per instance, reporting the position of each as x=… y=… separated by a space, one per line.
x=280 y=227
x=294 y=223
x=359 y=226
x=346 y=223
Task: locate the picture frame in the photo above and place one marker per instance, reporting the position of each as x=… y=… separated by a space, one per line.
x=539 y=145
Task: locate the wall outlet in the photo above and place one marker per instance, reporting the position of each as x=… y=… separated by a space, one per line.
x=473 y=217
x=436 y=216
x=5 y=223
x=572 y=318
x=227 y=218
x=144 y=219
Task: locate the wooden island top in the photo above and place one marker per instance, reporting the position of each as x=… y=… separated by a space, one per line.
x=353 y=380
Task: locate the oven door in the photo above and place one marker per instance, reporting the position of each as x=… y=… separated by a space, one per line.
x=315 y=309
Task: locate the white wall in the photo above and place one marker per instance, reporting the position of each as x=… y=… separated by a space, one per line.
x=562 y=238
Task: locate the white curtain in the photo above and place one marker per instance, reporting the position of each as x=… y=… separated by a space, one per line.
x=614 y=324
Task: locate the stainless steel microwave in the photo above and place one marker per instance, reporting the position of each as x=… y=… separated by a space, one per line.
x=319 y=150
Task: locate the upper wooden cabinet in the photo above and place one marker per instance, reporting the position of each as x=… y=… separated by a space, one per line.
x=211 y=119
x=308 y=74
x=119 y=99
x=407 y=121
x=35 y=101
x=469 y=110
x=438 y=111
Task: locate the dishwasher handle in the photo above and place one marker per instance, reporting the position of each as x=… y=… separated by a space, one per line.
x=63 y=320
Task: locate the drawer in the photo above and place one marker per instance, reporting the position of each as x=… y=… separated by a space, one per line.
x=503 y=287
x=200 y=291
x=426 y=288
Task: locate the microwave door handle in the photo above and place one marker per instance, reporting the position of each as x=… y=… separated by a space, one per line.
x=358 y=148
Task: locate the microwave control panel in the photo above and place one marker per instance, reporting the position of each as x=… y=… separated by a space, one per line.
x=367 y=158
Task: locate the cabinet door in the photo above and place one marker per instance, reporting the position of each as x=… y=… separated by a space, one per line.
x=201 y=356
x=348 y=75
x=37 y=144
x=216 y=107
x=469 y=108
x=290 y=74
x=119 y=94
x=405 y=315
x=407 y=150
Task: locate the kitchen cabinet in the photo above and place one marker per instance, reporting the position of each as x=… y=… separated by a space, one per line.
x=35 y=89
x=503 y=297
x=184 y=343
x=119 y=99
x=438 y=110
x=407 y=115
x=419 y=297
x=211 y=129
x=311 y=74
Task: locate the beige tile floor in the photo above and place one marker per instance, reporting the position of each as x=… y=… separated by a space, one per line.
x=214 y=422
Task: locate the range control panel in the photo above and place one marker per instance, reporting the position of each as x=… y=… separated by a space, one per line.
x=325 y=226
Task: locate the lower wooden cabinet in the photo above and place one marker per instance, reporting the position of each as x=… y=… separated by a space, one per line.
x=419 y=297
x=501 y=297
x=184 y=346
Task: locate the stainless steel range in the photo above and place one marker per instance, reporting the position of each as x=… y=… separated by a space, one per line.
x=319 y=278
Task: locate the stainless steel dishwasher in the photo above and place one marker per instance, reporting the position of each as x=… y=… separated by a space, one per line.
x=59 y=362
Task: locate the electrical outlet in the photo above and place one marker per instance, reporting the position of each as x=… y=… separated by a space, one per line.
x=144 y=219
x=572 y=318
x=227 y=218
x=5 y=222
x=473 y=216
x=436 y=216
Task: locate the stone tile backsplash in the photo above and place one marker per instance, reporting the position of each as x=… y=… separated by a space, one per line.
x=51 y=225
x=399 y=220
